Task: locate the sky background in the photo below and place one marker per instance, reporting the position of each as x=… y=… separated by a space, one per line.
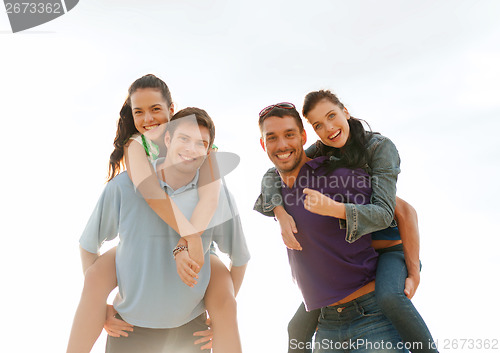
x=423 y=73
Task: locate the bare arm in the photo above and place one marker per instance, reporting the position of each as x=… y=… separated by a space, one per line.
x=87 y=258
x=237 y=274
x=143 y=176
x=208 y=191
x=407 y=220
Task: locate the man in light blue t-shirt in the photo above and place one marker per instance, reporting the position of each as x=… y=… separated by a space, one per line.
x=163 y=310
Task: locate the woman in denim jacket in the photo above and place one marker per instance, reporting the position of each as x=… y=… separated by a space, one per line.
x=346 y=142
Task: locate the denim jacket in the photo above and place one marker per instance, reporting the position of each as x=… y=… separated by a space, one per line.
x=383 y=166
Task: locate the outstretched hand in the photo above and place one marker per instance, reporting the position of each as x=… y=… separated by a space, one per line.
x=187 y=268
x=116 y=327
x=206 y=336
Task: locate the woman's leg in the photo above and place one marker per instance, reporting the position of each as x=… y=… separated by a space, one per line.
x=389 y=292
x=100 y=280
x=301 y=329
x=221 y=306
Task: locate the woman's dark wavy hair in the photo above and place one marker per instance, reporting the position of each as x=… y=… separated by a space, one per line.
x=354 y=154
x=126 y=127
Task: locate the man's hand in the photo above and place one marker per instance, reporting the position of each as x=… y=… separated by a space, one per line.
x=411 y=285
x=288 y=228
x=206 y=336
x=187 y=268
x=116 y=327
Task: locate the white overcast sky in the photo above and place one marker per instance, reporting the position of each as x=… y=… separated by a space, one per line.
x=424 y=73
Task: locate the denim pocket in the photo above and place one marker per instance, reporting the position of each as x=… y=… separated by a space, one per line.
x=369 y=310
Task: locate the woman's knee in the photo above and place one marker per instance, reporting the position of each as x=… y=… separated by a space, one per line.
x=222 y=301
x=390 y=300
x=98 y=280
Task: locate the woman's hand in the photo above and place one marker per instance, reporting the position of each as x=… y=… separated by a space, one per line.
x=318 y=203
x=288 y=228
x=206 y=336
x=411 y=285
x=195 y=248
x=116 y=327
x=187 y=268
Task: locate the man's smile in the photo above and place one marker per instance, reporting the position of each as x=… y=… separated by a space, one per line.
x=284 y=156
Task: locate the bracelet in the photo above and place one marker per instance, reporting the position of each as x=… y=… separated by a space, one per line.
x=178 y=249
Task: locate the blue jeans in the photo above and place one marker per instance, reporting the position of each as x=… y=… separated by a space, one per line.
x=301 y=330
x=357 y=326
x=389 y=287
x=389 y=292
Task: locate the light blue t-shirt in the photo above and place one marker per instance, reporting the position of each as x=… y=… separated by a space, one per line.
x=151 y=294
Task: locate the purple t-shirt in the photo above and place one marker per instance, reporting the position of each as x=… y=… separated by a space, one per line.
x=328 y=268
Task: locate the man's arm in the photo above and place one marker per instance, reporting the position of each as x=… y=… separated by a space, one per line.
x=237 y=274
x=87 y=258
x=407 y=220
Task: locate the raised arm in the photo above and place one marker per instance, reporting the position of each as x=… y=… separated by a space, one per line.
x=144 y=178
x=407 y=220
x=383 y=166
x=383 y=163
x=208 y=191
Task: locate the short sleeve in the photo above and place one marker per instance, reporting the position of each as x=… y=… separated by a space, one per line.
x=104 y=220
x=229 y=235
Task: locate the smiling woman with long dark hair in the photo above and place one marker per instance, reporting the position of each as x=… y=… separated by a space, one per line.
x=347 y=144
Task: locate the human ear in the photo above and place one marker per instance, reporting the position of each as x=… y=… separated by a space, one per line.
x=347 y=113
x=304 y=136
x=262 y=144
x=171 y=111
x=167 y=139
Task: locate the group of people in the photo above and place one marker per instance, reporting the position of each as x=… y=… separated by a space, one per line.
x=353 y=245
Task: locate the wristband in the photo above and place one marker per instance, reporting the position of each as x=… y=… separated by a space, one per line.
x=178 y=249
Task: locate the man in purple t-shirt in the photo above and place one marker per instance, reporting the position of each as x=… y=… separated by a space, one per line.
x=333 y=275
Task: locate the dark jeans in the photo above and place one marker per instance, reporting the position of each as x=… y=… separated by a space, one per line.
x=389 y=292
x=390 y=282
x=357 y=326
x=151 y=340
x=301 y=329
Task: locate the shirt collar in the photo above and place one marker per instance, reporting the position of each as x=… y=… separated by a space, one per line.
x=316 y=162
x=190 y=185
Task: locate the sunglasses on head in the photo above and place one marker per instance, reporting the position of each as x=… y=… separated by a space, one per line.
x=284 y=105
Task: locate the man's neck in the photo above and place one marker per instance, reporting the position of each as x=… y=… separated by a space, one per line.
x=173 y=177
x=290 y=177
